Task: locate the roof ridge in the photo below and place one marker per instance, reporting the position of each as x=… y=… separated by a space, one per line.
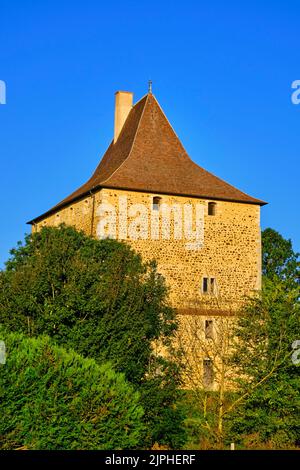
x=218 y=178
x=186 y=153
x=141 y=99
x=174 y=132
x=133 y=141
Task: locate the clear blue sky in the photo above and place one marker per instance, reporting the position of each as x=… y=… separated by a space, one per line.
x=222 y=71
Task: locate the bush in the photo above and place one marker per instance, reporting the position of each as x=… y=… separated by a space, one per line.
x=51 y=398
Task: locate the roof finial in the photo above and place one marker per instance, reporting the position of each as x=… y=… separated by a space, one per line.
x=150 y=86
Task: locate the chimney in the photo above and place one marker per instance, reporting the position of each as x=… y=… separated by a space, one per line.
x=123 y=104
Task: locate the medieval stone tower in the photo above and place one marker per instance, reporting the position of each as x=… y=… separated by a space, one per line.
x=144 y=188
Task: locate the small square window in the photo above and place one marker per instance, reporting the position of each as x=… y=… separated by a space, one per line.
x=212 y=208
x=156 y=203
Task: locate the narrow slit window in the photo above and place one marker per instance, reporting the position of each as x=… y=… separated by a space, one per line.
x=212 y=208
x=156 y=203
x=209 y=332
x=208 y=373
x=209 y=285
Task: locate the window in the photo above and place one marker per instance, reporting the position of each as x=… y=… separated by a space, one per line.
x=212 y=285
x=208 y=373
x=209 y=329
x=212 y=208
x=156 y=203
x=208 y=285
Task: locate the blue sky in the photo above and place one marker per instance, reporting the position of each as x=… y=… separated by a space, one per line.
x=222 y=72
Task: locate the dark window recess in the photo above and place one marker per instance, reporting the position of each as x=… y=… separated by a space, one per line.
x=212 y=208
x=208 y=285
x=208 y=373
x=209 y=332
x=156 y=203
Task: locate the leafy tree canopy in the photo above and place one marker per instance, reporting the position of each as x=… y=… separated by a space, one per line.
x=267 y=411
x=279 y=258
x=99 y=298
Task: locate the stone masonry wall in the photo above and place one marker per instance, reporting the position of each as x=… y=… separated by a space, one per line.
x=230 y=254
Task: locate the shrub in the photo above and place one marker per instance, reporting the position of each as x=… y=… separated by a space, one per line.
x=51 y=398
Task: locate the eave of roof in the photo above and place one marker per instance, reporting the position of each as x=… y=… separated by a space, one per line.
x=89 y=193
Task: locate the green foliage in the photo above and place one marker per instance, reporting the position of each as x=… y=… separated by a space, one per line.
x=163 y=409
x=268 y=382
x=201 y=408
x=267 y=408
x=97 y=297
x=51 y=398
x=279 y=258
x=201 y=418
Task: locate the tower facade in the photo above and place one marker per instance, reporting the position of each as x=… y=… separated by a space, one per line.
x=203 y=232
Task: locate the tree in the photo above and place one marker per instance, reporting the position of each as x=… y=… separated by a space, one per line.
x=205 y=346
x=279 y=258
x=266 y=411
x=254 y=399
x=97 y=297
x=51 y=398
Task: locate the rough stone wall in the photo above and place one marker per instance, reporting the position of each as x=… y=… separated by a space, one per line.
x=79 y=215
x=199 y=347
x=231 y=251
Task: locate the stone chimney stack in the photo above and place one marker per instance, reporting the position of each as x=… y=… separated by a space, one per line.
x=123 y=105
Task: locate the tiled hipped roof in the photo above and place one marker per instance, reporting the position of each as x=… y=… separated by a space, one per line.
x=149 y=157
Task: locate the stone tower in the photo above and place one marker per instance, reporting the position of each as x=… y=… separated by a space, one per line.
x=147 y=191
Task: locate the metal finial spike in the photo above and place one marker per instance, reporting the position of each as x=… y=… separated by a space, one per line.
x=150 y=86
